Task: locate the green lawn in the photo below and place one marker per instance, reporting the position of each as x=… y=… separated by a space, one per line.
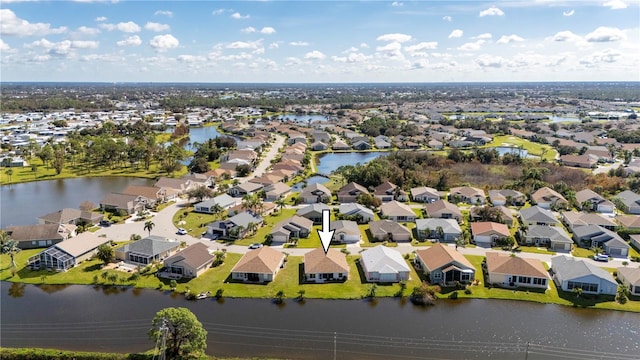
x=269 y=222
x=535 y=250
x=531 y=147
x=582 y=252
x=195 y=223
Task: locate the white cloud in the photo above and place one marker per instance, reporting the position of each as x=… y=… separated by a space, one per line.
x=164 y=42
x=157 y=27
x=4 y=46
x=615 y=4
x=245 y=44
x=191 y=58
x=485 y=36
x=248 y=30
x=268 y=30
x=84 y=44
x=390 y=47
x=166 y=13
x=299 y=43
x=422 y=46
x=63 y=48
x=84 y=30
x=101 y=18
x=130 y=41
x=274 y=45
x=506 y=39
x=565 y=36
x=314 y=55
x=127 y=27
x=607 y=56
x=420 y=64
x=238 y=16
x=490 y=61
x=492 y=11
x=102 y=57
x=456 y=34
x=569 y=13
x=218 y=11
x=11 y=25
x=605 y=34
x=292 y=61
x=364 y=45
x=394 y=37
x=447 y=18
x=397 y=4
x=352 y=57
x=472 y=46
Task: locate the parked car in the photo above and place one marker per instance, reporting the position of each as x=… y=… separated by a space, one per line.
x=255 y=246
x=601 y=257
x=105 y=223
x=214 y=236
x=182 y=231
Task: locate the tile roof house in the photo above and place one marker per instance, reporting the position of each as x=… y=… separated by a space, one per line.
x=444 y=265
x=350 y=192
x=235 y=227
x=315 y=193
x=151 y=193
x=570 y=273
x=630 y=202
x=574 y=219
x=553 y=237
x=224 y=201
x=189 y=263
x=383 y=264
x=444 y=210
x=446 y=230
x=128 y=204
x=631 y=278
x=424 y=194
x=592 y=236
x=582 y=161
x=146 y=251
x=71 y=216
x=507 y=197
x=382 y=230
x=276 y=191
x=356 y=212
x=68 y=253
x=397 y=211
x=181 y=185
x=547 y=198
x=245 y=189
x=36 y=236
x=502 y=214
x=467 y=194
x=313 y=212
x=346 y=231
x=385 y=191
x=631 y=222
x=320 y=267
x=487 y=233
x=590 y=200
x=294 y=227
x=258 y=266
x=513 y=271
x=536 y=215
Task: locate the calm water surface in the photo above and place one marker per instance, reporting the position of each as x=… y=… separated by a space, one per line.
x=331 y=161
x=21 y=204
x=309 y=181
x=95 y=318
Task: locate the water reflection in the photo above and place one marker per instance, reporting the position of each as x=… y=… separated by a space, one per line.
x=17 y=290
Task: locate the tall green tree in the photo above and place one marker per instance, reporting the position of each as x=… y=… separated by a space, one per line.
x=11 y=248
x=183 y=334
x=105 y=253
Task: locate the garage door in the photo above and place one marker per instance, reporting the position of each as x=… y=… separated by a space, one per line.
x=615 y=252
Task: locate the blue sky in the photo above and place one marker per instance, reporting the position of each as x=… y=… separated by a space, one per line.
x=319 y=41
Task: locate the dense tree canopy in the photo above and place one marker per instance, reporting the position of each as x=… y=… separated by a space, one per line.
x=184 y=334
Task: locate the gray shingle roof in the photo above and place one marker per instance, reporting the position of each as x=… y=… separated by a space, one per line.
x=571 y=268
x=151 y=245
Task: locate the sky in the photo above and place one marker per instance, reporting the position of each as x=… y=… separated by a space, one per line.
x=319 y=41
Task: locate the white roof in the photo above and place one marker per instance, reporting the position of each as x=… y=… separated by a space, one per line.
x=81 y=244
x=383 y=260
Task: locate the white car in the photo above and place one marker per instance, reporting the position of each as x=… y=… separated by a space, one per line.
x=182 y=231
x=601 y=257
x=255 y=246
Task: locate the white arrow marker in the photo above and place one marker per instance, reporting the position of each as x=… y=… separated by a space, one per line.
x=325 y=234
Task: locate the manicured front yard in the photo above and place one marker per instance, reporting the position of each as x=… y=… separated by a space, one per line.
x=195 y=223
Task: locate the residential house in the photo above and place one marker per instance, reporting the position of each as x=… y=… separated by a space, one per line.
x=589 y=200
x=322 y=136
x=37 y=236
x=288 y=229
x=630 y=202
x=346 y=231
x=235 y=227
x=313 y=212
x=467 y=194
x=267 y=179
x=513 y=271
x=507 y=197
x=553 y=237
x=320 y=267
x=397 y=211
x=383 y=264
x=151 y=194
x=385 y=191
x=297 y=138
x=315 y=193
x=547 y=198
x=258 y=266
x=424 y=194
x=356 y=212
x=444 y=265
x=574 y=219
x=340 y=146
x=445 y=230
x=71 y=216
x=264 y=208
x=630 y=222
x=387 y=230
x=128 y=204
x=630 y=277
x=592 y=236
x=246 y=188
x=444 y=210
x=199 y=180
x=319 y=146
x=488 y=233
x=536 y=215
x=570 y=273
x=350 y=192
x=635 y=241
x=146 y=251
x=277 y=191
x=189 y=263
x=382 y=144
x=361 y=145
x=180 y=185
x=582 y=161
x=502 y=214
x=68 y=253
x=223 y=201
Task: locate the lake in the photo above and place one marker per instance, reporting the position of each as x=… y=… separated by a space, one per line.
x=302 y=118
x=326 y=163
x=22 y=203
x=502 y=150
x=117 y=319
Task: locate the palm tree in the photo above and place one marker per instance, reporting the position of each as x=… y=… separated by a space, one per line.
x=216 y=210
x=9 y=172
x=10 y=247
x=252 y=227
x=281 y=203
x=149 y=225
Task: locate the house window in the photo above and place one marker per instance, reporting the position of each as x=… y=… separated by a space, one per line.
x=584 y=286
x=465 y=277
x=524 y=280
x=312 y=276
x=539 y=281
x=437 y=275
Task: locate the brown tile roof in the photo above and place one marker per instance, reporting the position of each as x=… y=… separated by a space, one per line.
x=194 y=256
x=316 y=262
x=35 y=232
x=439 y=255
x=480 y=228
x=395 y=208
x=81 y=244
x=629 y=221
x=502 y=263
x=149 y=192
x=261 y=261
x=631 y=274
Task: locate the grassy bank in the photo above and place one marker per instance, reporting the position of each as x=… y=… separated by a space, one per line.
x=46 y=354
